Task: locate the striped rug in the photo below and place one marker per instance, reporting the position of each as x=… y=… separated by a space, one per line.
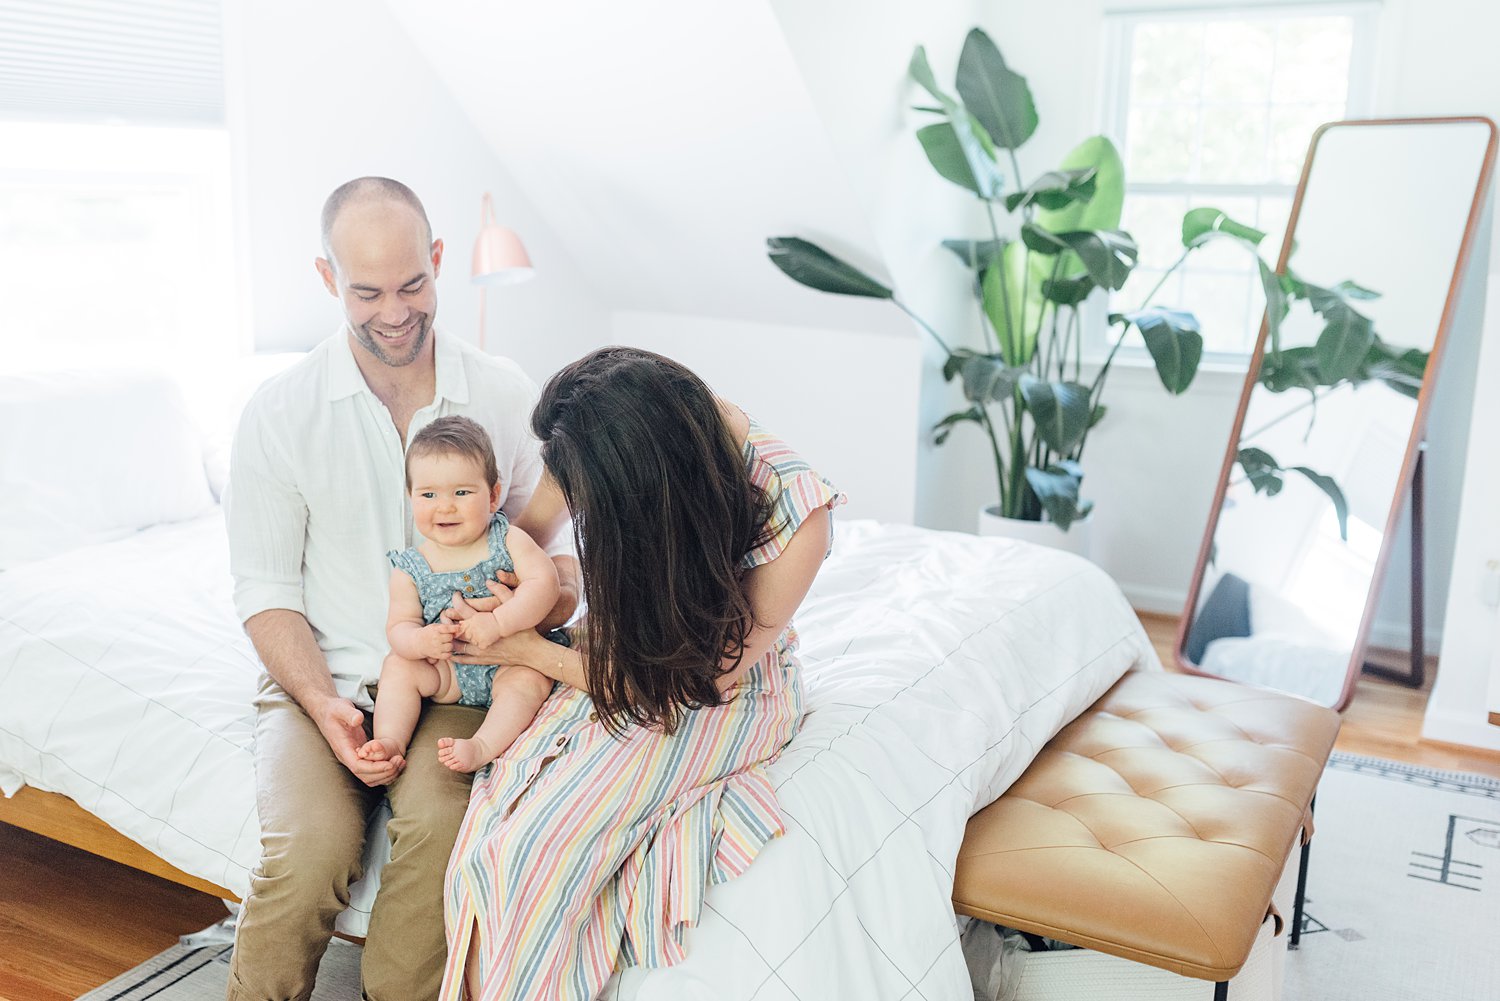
x=201 y=973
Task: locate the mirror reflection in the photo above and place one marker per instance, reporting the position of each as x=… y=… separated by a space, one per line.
x=1322 y=450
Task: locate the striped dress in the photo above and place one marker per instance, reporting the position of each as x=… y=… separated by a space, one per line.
x=581 y=853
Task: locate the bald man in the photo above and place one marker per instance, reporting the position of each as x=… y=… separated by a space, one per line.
x=316 y=498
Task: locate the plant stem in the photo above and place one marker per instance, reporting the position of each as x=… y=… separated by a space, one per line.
x=989 y=429
x=1163 y=280
x=924 y=325
x=1311 y=402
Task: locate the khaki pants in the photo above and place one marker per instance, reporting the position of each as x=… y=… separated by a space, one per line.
x=313 y=813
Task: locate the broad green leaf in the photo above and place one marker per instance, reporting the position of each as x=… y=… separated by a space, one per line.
x=816 y=268
x=1402 y=371
x=943 y=428
x=1068 y=291
x=1175 y=344
x=962 y=154
x=1351 y=290
x=1055 y=189
x=1277 y=303
x=1097 y=416
x=997 y=97
x=1203 y=224
x=1328 y=486
x=1344 y=343
x=921 y=72
x=988 y=379
x=1014 y=304
x=1262 y=470
x=1061 y=411
x=1057 y=488
x=977 y=254
x=1102 y=211
x=1294 y=368
x=1107 y=255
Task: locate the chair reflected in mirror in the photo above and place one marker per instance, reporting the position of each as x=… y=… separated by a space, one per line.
x=1326 y=443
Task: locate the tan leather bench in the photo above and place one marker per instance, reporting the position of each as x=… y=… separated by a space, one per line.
x=1155 y=826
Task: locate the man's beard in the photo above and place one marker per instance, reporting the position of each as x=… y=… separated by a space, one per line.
x=375 y=344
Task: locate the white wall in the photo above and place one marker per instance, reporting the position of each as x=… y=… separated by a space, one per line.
x=321 y=93
x=852 y=55
x=844 y=401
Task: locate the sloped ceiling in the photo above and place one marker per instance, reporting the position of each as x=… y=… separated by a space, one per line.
x=663 y=140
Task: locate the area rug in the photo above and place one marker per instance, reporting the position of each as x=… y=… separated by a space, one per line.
x=1403 y=900
x=1403 y=892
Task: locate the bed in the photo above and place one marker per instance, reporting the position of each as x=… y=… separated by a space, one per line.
x=937 y=664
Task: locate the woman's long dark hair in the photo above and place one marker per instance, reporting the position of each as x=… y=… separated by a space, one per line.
x=663 y=512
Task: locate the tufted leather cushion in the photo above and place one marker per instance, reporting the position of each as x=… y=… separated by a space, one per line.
x=1155 y=826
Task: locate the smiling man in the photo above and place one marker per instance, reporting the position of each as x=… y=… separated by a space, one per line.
x=316 y=498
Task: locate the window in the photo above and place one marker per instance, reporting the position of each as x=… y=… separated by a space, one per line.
x=114 y=184
x=1217 y=108
x=115 y=242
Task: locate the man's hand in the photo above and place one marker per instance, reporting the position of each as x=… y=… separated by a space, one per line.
x=435 y=642
x=343 y=726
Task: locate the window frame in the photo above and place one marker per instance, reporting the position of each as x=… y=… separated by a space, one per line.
x=1119 y=29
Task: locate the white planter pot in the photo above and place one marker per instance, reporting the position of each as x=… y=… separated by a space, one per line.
x=1042 y=533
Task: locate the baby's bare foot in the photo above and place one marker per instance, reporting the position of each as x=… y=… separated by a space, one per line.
x=463 y=755
x=381 y=749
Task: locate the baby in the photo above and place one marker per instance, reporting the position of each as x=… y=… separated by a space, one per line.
x=455 y=501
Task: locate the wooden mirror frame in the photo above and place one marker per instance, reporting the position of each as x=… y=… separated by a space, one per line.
x=1419 y=421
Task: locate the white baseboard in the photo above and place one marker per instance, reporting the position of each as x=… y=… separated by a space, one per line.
x=1397 y=636
x=1160 y=600
x=1469 y=730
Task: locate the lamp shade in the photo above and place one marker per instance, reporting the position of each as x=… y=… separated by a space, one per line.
x=499 y=257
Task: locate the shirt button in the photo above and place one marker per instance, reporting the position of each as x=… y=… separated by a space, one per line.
x=593 y=717
x=561 y=741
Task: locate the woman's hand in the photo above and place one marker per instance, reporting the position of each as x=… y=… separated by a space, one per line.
x=503 y=650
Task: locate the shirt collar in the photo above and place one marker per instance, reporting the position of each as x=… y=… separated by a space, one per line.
x=450 y=378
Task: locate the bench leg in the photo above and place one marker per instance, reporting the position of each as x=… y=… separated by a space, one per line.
x=1221 y=991
x=1295 y=939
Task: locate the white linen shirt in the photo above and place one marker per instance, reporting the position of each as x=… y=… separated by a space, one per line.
x=317 y=491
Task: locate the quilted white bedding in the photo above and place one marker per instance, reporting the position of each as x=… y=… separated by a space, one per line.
x=936 y=664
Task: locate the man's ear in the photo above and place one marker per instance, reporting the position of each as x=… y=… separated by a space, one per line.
x=437 y=257
x=325 y=269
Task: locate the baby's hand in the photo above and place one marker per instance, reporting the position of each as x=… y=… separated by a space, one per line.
x=435 y=642
x=479 y=630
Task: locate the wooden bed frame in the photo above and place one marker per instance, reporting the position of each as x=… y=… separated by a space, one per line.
x=61 y=819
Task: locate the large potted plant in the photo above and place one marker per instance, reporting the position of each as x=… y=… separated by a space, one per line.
x=1024 y=385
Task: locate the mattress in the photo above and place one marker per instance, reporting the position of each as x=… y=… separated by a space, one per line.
x=937 y=664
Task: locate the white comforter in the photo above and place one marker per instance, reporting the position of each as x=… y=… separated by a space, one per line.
x=936 y=664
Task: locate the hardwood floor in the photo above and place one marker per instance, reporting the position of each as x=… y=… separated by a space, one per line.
x=70 y=921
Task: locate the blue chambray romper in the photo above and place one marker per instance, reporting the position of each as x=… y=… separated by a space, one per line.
x=436 y=590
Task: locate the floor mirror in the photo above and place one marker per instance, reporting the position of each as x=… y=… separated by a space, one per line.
x=1329 y=428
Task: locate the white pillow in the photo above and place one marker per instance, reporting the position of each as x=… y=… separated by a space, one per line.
x=90 y=456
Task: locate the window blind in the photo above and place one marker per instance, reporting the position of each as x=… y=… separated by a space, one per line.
x=140 y=61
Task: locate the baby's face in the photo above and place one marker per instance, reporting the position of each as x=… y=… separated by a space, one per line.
x=451 y=503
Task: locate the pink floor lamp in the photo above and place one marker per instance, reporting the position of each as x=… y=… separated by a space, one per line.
x=499 y=259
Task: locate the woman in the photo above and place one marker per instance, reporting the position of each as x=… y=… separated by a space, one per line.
x=591 y=843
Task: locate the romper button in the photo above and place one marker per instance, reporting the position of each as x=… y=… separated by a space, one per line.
x=466 y=576
x=469 y=588
x=561 y=741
